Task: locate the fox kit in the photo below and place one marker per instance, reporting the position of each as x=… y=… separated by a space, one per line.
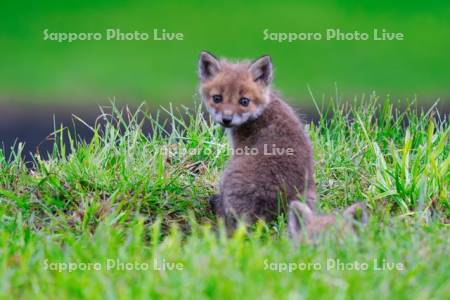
x=304 y=225
x=271 y=161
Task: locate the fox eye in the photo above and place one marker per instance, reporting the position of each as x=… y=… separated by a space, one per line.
x=244 y=101
x=217 y=98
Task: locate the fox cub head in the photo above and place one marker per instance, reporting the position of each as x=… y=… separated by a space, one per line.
x=306 y=226
x=234 y=93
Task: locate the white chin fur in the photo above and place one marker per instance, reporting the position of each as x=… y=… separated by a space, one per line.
x=238 y=119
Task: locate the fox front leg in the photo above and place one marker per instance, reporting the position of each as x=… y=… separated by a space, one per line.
x=216 y=205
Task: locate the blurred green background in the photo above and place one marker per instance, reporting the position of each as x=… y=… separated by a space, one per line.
x=34 y=70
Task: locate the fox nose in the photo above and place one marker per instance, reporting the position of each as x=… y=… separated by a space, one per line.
x=226 y=119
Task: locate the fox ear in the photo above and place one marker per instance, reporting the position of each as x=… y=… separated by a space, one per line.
x=261 y=70
x=356 y=212
x=299 y=214
x=208 y=66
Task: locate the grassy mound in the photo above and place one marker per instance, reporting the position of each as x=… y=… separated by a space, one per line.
x=72 y=225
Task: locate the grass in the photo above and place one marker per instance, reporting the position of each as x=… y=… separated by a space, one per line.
x=35 y=70
x=136 y=197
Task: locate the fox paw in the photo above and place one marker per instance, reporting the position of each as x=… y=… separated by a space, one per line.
x=216 y=205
